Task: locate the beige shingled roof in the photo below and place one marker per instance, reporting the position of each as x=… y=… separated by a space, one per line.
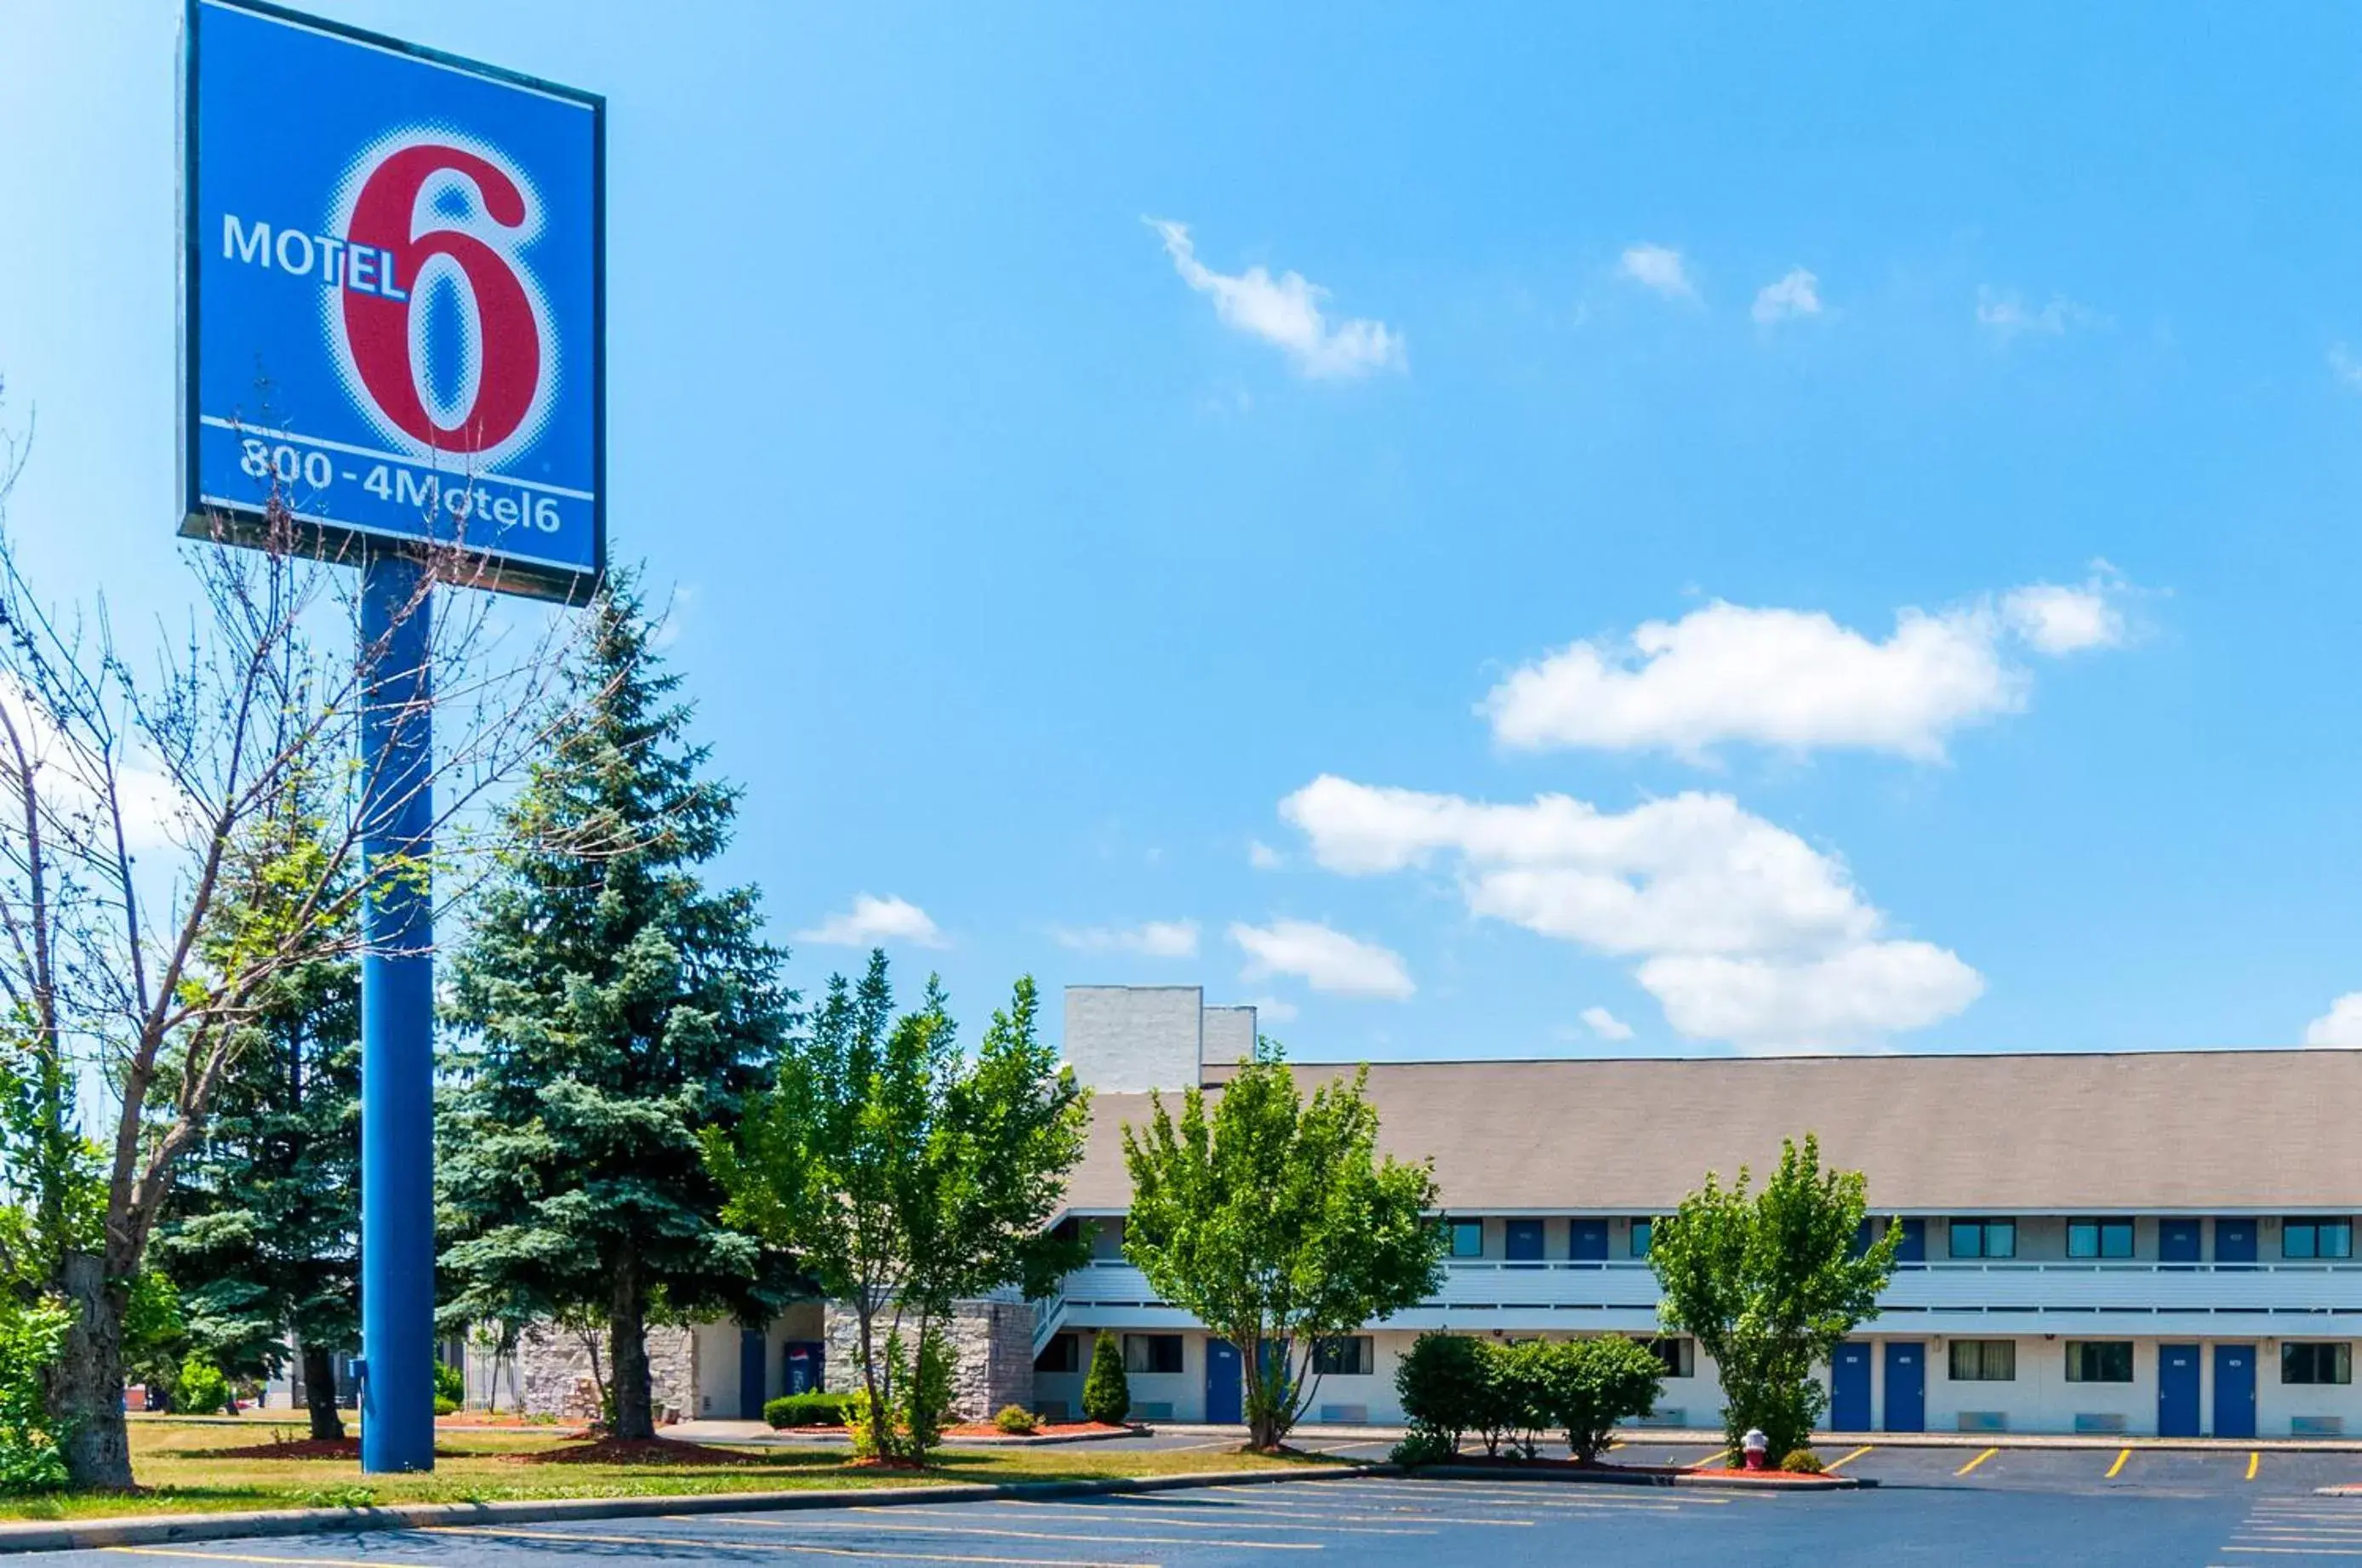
x=2010 y=1134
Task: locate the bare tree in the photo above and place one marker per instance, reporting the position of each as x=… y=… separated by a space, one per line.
x=149 y=887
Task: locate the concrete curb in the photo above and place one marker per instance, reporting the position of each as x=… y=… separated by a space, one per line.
x=89 y=1535
x=1724 y=1478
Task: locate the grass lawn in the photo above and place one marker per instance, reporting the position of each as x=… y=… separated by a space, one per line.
x=169 y=1457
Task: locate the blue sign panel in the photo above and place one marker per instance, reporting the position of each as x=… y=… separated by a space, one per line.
x=392 y=291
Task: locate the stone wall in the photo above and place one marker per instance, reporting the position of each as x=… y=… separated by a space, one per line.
x=992 y=1341
x=552 y=1373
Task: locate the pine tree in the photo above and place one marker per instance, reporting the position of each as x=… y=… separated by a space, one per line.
x=263 y=1232
x=611 y=1010
x=1106 y=1392
x=261 y=1242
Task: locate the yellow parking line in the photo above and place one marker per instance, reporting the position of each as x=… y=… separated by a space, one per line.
x=1710 y=1459
x=805 y=1547
x=1972 y=1463
x=2119 y=1464
x=2253 y=1460
x=1847 y=1459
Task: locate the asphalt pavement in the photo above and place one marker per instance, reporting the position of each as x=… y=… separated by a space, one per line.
x=2156 y=1510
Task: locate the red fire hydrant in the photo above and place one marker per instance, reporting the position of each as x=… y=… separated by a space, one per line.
x=1754 y=1445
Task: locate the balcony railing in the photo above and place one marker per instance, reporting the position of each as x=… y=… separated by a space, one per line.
x=1992 y=1287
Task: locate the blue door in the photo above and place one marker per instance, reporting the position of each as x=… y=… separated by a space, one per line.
x=1586 y=1239
x=1849 y=1388
x=1523 y=1241
x=2177 y=1390
x=2234 y=1391
x=2235 y=1240
x=1225 y=1397
x=1914 y=1244
x=2177 y=1241
x=804 y=1367
x=754 y=1349
x=1906 y=1386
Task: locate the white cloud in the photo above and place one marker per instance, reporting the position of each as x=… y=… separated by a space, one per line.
x=872 y=921
x=1798 y=293
x=1263 y=857
x=1153 y=939
x=1606 y=1024
x=1858 y=994
x=2007 y=317
x=1324 y=958
x=1658 y=268
x=1796 y=678
x=1285 y=311
x=2344 y=366
x=1740 y=928
x=2340 y=1026
x=1273 y=1010
x=2054 y=620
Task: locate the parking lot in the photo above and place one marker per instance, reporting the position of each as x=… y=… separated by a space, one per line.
x=2028 y=1506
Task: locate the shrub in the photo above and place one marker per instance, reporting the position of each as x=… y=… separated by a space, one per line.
x=1592 y=1385
x=202 y=1390
x=1520 y=1395
x=862 y=1422
x=31 y=1338
x=807 y=1410
x=1802 y=1462
x=1440 y=1381
x=450 y=1384
x=1424 y=1445
x=1017 y=1421
x=1106 y=1392
x=445 y=1406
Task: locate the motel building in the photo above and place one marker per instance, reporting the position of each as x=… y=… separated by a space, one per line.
x=2152 y=1243
x=2146 y=1243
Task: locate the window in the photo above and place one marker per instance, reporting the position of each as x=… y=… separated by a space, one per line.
x=2099 y=1238
x=1642 y=1231
x=1063 y=1353
x=1984 y=1237
x=1152 y=1352
x=2317 y=1363
x=2099 y=1360
x=1984 y=1361
x=2317 y=1238
x=1350 y=1355
x=1677 y=1356
x=1467 y=1237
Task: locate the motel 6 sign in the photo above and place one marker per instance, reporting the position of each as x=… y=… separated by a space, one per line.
x=391 y=296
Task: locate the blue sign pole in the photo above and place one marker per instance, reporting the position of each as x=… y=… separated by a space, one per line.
x=397 y=1022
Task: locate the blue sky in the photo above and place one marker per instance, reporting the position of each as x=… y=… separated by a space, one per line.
x=1892 y=472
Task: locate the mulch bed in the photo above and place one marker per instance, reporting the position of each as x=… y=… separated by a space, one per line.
x=655 y=1450
x=1048 y=1429
x=301 y=1448
x=1559 y=1466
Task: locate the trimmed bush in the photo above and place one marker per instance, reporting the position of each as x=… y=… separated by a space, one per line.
x=1017 y=1421
x=1106 y=1392
x=445 y=1406
x=807 y=1410
x=202 y=1390
x=1802 y=1462
x=1440 y=1381
x=1452 y=1385
x=1423 y=1445
x=1592 y=1385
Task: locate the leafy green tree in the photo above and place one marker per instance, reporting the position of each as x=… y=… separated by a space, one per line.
x=1593 y=1384
x=904 y=1176
x=1107 y=1390
x=1275 y=1222
x=612 y=1010
x=1770 y=1284
x=262 y=1237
